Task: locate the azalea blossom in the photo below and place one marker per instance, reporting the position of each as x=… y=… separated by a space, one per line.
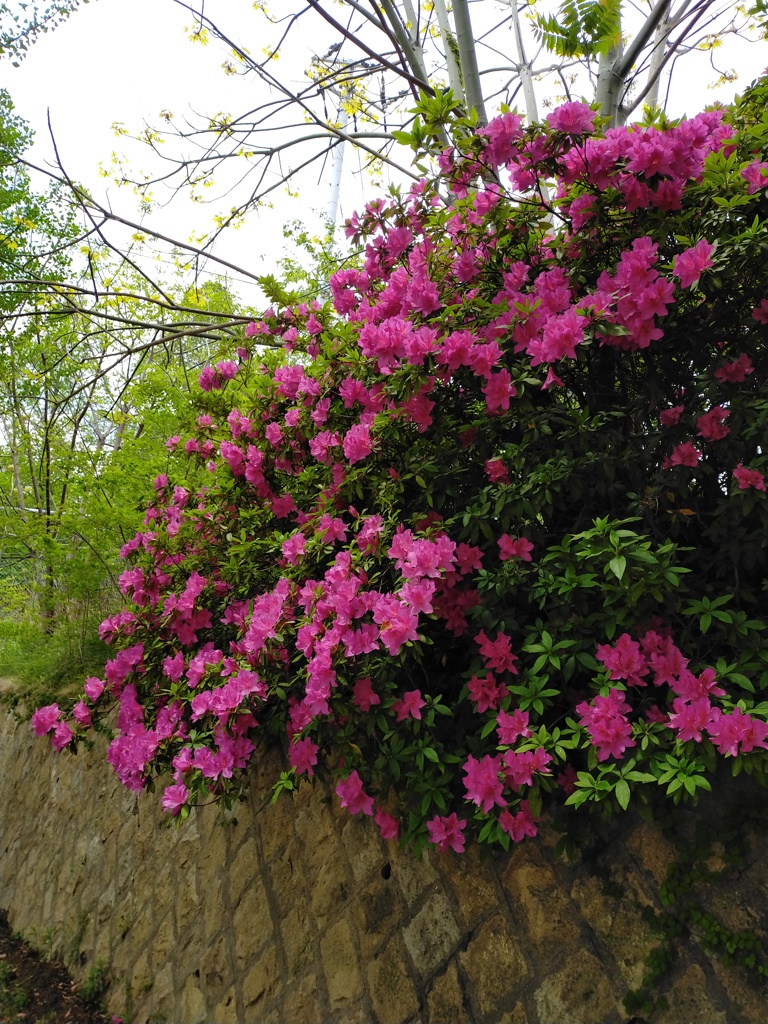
x=690 y=265
x=352 y=795
x=746 y=477
x=447 y=833
x=686 y=454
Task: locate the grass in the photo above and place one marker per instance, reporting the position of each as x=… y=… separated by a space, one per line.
x=47 y=667
x=13 y=997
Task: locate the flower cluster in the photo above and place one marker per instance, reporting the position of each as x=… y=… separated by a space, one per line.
x=378 y=546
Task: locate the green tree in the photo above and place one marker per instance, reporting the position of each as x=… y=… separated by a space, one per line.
x=90 y=388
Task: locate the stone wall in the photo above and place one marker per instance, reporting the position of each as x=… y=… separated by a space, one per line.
x=298 y=913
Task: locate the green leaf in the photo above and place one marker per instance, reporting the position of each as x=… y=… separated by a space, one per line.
x=617 y=565
x=623 y=793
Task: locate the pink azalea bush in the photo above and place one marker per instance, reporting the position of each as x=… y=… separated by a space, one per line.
x=484 y=532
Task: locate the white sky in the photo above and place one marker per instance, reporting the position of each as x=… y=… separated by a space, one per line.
x=126 y=60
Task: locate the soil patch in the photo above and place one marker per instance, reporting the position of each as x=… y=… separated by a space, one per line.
x=37 y=991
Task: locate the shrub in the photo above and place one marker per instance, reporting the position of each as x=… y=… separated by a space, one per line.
x=488 y=530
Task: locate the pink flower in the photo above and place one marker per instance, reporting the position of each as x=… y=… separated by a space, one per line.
x=273 y=434
x=497 y=653
x=418 y=595
x=174 y=798
x=207 y=378
x=551 y=380
x=389 y=826
x=670 y=417
x=363 y=695
x=482 y=782
x=498 y=390
x=302 y=755
x=468 y=558
x=496 y=471
x=410 y=706
x=519 y=825
x=734 y=730
x=624 y=660
x=605 y=719
x=746 y=477
x=572 y=118
x=691 y=719
x=352 y=796
x=517 y=547
x=331 y=530
x=738 y=371
x=45 y=719
x=357 y=443
x=447 y=833
x=519 y=768
x=62 y=736
x=93 y=688
x=682 y=455
x=293 y=548
x=82 y=714
x=756 y=176
x=688 y=266
x=512 y=727
x=760 y=313
x=711 y=426
x=227 y=369
x=567 y=779
x=486 y=693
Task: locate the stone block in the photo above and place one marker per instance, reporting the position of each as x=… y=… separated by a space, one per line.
x=393 y=994
x=651 y=851
x=516 y=1015
x=286 y=875
x=192 y=1004
x=539 y=902
x=300 y=1005
x=216 y=968
x=211 y=902
x=187 y=904
x=689 y=1000
x=225 y=1011
x=746 y=1003
x=597 y=909
x=630 y=941
x=242 y=870
x=316 y=830
x=296 y=935
x=473 y=885
x=377 y=911
x=338 y=950
x=260 y=984
x=496 y=967
x=445 y=1002
x=330 y=890
x=163 y=940
x=413 y=876
x=364 y=846
x=276 y=827
x=251 y=922
x=578 y=992
x=431 y=936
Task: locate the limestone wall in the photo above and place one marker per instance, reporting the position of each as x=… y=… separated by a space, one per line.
x=298 y=913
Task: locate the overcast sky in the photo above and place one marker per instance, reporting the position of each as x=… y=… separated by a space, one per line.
x=127 y=60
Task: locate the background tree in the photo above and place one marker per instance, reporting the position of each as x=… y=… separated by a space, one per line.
x=379 y=56
x=91 y=385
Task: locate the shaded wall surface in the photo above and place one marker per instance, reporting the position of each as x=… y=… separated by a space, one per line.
x=298 y=913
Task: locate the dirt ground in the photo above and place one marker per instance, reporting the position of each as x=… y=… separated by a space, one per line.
x=37 y=991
